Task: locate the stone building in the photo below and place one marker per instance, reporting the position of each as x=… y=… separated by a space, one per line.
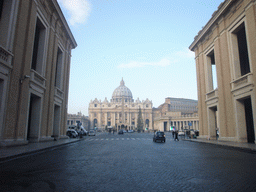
x=74 y=119
x=121 y=112
x=177 y=112
x=226 y=48
x=35 y=52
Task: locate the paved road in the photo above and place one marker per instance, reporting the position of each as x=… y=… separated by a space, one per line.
x=131 y=162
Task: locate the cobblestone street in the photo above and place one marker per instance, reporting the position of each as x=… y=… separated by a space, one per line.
x=132 y=162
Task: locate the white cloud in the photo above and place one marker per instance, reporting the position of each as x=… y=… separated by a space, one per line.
x=135 y=64
x=79 y=10
x=174 y=57
x=185 y=53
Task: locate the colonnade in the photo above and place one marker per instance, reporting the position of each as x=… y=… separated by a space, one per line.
x=181 y=124
x=129 y=118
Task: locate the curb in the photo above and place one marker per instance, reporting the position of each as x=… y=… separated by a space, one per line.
x=12 y=157
x=243 y=149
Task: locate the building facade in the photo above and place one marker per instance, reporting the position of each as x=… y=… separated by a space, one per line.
x=74 y=119
x=35 y=53
x=226 y=48
x=177 y=112
x=121 y=112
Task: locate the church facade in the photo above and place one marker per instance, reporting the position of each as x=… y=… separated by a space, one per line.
x=121 y=112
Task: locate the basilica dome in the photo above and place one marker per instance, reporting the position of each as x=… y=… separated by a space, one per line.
x=122 y=91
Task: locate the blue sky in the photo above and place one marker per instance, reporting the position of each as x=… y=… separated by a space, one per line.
x=145 y=42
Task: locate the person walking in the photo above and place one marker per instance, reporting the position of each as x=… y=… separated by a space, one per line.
x=176 y=135
x=173 y=132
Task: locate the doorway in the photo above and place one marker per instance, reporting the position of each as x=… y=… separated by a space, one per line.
x=34 y=118
x=165 y=126
x=249 y=120
x=213 y=122
x=56 y=123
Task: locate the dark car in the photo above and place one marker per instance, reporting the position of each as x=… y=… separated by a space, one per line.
x=160 y=136
x=120 y=132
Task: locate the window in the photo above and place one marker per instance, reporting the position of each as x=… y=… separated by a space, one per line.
x=95 y=105
x=240 y=50
x=1 y=91
x=58 y=72
x=38 y=49
x=95 y=114
x=211 y=71
x=1 y=7
x=243 y=51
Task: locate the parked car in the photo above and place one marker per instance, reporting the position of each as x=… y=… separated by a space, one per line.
x=92 y=133
x=159 y=135
x=121 y=132
x=130 y=131
x=124 y=131
x=181 y=133
x=72 y=133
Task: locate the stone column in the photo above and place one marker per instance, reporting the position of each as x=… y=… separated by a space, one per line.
x=106 y=120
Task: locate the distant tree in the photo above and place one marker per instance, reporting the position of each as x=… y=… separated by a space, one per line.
x=139 y=121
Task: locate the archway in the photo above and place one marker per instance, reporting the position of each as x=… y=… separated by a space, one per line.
x=147 y=123
x=95 y=123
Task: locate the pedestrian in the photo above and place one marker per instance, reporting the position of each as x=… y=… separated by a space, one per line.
x=173 y=132
x=113 y=131
x=176 y=136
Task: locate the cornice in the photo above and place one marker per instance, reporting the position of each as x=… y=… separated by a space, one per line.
x=64 y=22
x=216 y=15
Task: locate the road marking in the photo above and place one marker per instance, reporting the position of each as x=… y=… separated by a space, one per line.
x=118 y=139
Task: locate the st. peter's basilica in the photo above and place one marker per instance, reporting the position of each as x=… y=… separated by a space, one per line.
x=121 y=112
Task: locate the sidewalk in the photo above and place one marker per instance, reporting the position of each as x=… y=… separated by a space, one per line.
x=8 y=153
x=248 y=147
